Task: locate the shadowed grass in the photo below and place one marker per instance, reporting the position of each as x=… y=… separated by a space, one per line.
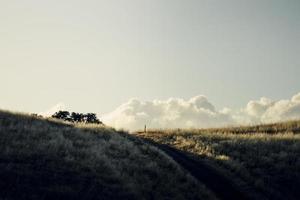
x=48 y=159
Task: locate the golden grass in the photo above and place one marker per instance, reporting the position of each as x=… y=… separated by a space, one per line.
x=265 y=157
x=48 y=159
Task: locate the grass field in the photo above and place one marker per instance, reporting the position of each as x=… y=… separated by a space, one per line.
x=265 y=157
x=47 y=159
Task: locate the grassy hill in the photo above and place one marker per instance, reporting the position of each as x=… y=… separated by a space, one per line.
x=47 y=159
x=265 y=157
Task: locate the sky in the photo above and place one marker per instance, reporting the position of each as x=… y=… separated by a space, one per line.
x=125 y=59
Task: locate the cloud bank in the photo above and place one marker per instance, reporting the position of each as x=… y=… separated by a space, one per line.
x=196 y=112
x=199 y=112
x=266 y=110
x=53 y=109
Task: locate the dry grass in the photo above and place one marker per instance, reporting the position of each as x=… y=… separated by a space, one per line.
x=265 y=157
x=46 y=159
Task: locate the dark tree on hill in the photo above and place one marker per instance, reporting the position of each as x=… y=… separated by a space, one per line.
x=92 y=118
x=64 y=115
x=77 y=117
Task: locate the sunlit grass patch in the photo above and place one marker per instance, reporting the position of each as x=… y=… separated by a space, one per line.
x=268 y=159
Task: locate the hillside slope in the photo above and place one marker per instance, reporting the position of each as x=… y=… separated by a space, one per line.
x=46 y=159
x=264 y=158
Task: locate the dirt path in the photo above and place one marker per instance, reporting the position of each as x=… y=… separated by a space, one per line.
x=220 y=185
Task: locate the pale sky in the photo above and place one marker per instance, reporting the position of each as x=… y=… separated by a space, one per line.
x=93 y=56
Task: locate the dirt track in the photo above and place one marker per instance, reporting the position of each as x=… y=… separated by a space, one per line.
x=221 y=186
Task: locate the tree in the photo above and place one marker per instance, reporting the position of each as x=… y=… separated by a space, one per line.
x=92 y=118
x=64 y=115
x=77 y=117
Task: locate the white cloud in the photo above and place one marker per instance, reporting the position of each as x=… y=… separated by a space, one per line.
x=172 y=113
x=268 y=111
x=296 y=98
x=257 y=108
x=198 y=112
x=53 y=109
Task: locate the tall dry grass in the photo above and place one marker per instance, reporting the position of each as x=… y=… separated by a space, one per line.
x=48 y=159
x=264 y=157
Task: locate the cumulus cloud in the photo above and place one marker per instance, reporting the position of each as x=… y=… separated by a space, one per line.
x=273 y=111
x=53 y=109
x=172 y=113
x=257 y=108
x=198 y=112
